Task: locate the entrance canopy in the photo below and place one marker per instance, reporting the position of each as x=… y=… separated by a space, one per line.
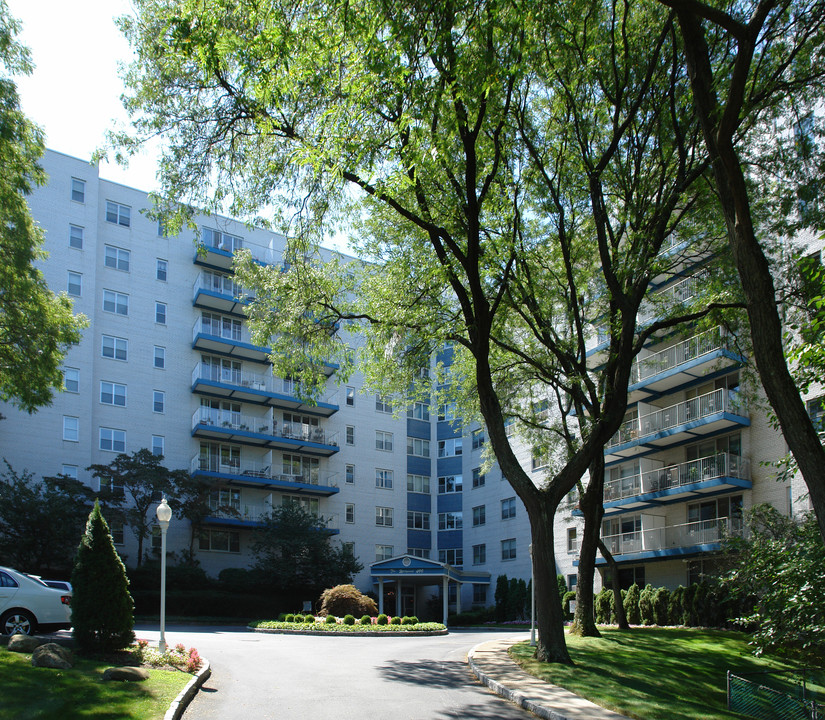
x=414 y=571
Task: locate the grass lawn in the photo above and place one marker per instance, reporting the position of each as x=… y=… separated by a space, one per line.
x=656 y=673
x=28 y=693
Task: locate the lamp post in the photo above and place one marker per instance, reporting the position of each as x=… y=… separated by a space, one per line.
x=532 y=599
x=164 y=513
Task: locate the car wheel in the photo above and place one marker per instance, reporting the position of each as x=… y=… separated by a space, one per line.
x=17 y=621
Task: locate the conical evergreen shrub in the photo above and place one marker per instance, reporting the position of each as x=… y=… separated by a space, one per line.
x=102 y=608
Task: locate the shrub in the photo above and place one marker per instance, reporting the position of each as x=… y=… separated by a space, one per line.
x=102 y=608
x=346 y=600
x=472 y=617
x=674 y=606
x=604 y=606
x=349 y=620
x=395 y=620
x=414 y=620
x=661 y=603
x=289 y=617
x=688 y=609
x=565 y=603
x=309 y=619
x=330 y=620
x=407 y=620
x=631 y=605
x=646 y=605
x=381 y=619
x=365 y=620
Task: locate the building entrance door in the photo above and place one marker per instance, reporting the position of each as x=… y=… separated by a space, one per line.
x=407 y=601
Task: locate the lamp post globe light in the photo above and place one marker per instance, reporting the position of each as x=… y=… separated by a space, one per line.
x=164 y=513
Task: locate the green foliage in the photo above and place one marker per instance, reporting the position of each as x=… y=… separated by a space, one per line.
x=293 y=549
x=406 y=620
x=779 y=568
x=395 y=620
x=472 y=617
x=689 y=617
x=30 y=539
x=330 y=620
x=562 y=583
x=565 y=601
x=381 y=619
x=661 y=606
x=502 y=590
x=343 y=599
x=516 y=606
x=365 y=620
x=290 y=618
x=604 y=606
x=646 y=605
x=308 y=619
x=349 y=620
x=36 y=326
x=631 y=605
x=102 y=617
x=676 y=605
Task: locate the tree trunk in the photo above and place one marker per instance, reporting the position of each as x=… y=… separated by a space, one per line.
x=592 y=507
x=754 y=269
x=618 y=602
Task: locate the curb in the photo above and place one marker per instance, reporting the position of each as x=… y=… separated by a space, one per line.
x=354 y=633
x=513 y=696
x=180 y=703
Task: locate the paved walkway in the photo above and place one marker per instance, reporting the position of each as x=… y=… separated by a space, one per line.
x=492 y=665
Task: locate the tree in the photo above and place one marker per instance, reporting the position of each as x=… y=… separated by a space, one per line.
x=31 y=538
x=102 y=607
x=760 y=60
x=143 y=481
x=293 y=551
x=36 y=326
x=482 y=187
x=777 y=572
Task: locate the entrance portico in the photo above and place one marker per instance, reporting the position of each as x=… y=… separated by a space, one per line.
x=408 y=571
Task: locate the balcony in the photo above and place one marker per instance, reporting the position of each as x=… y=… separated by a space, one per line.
x=262 y=432
x=254 y=516
x=211 y=291
x=218 y=251
x=681 y=363
x=261 y=475
x=258 y=388
x=713 y=412
x=225 y=339
x=710 y=475
x=671 y=541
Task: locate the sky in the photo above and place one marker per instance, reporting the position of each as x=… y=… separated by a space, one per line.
x=74 y=91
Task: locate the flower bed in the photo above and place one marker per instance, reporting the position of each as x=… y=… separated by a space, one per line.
x=177 y=657
x=321 y=626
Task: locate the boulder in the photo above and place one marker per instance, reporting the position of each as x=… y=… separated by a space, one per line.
x=25 y=643
x=52 y=655
x=129 y=674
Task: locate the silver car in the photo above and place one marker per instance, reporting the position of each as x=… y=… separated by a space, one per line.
x=27 y=604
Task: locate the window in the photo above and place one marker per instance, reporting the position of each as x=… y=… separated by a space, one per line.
x=816 y=411
x=350 y=396
x=418 y=484
x=382 y=405
x=350 y=435
x=159 y=359
x=118 y=214
x=572 y=541
x=158 y=443
x=450 y=521
x=450 y=484
x=224 y=498
x=310 y=505
x=447 y=448
x=160 y=313
x=115 y=302
x=220 y=541
x=383 y=516
x=479 y=555
x=116 y=258
x=114 y=347
x=418 y=520
x=418 y=447
x=479 y=593
x=349 y=474
x=76 y=237
x=572 y=581
x=508 y=508
x=383 y=552
x=383 y=440
x=451 y=556
x=71 y=428
x=508 y=549
x=69 y=471
x=349 y=513
x=539 y=459
x=479 y=515
x=478 y=478
x=419 y=411
x=78 y=190
x=113 y=440
x=116 y=531
x=301 y=468
x=71 y=379
x=419 y=552
x=74 y=284
x=112 y=393
x=478 y=439
x=161 y=268
x=158 y=401
x=383 y=479
x=446 y=411
x=220 y=240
